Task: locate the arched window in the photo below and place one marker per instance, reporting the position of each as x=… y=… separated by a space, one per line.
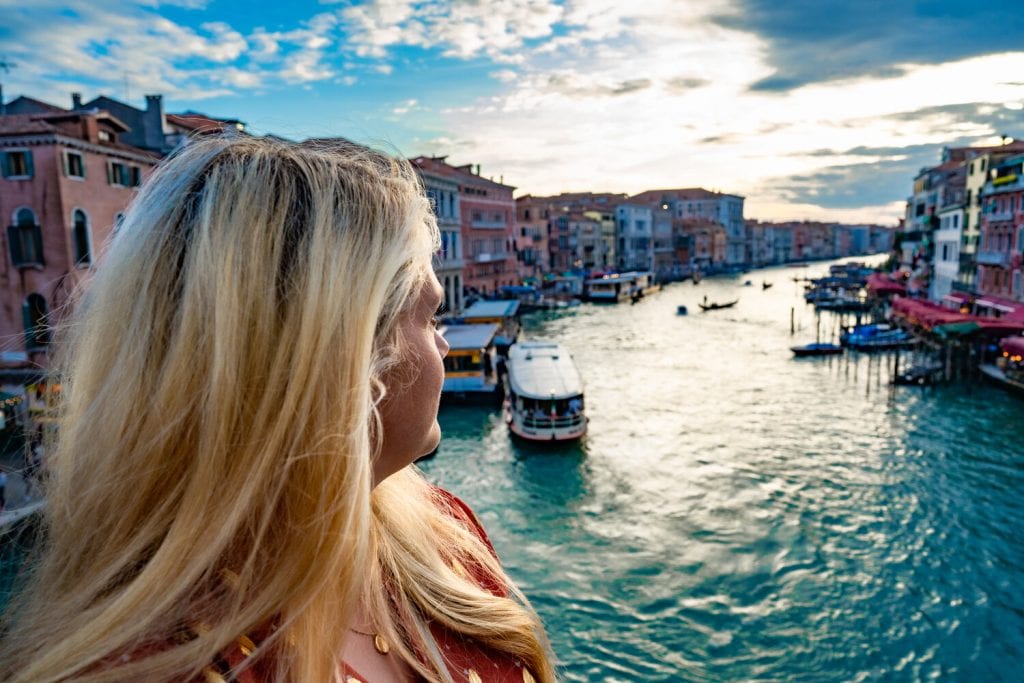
x=80 y=238
x=25 y=239
x=34 y=313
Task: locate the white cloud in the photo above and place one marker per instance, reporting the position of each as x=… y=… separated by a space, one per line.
x=494 y=28
x=405 y=107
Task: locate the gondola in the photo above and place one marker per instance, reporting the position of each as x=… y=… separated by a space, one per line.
x=766 y=285
x=716 y=306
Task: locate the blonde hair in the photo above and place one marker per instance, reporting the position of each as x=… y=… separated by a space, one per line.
x=222 y=375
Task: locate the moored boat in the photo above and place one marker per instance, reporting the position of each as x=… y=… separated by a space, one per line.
x=816 y=349
x=618 y=287
x=503 y=313
x=544 y=393
x=470 y=368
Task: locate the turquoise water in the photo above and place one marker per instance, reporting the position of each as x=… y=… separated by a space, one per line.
x=737 y=515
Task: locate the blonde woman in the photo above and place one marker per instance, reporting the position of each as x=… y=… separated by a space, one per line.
x=248 y=378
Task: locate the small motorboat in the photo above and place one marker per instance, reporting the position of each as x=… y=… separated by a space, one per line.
x=816 y=349
x=747 y=283
x=681 y=310
x=714 y=306
x=766 y=285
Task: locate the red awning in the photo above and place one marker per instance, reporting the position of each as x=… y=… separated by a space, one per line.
x=1013 y=345
x=927 y=314
x=1014 y=310
x=882 y=284
x=957 y=298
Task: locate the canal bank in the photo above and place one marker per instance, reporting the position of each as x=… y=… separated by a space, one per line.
x=735 y=514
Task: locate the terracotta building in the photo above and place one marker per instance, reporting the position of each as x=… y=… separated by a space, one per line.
x=488 y=220
x=67 y=180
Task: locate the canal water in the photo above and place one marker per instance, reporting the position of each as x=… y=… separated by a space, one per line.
x=738 y=515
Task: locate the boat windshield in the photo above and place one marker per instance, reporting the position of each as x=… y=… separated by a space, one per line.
x=559 y=407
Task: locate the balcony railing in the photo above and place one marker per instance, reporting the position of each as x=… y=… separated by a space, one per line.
x=448 y=263
x=993 y=258
x=488 y=257
x=488 y=225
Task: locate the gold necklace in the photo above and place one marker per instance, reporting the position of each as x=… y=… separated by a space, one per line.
x=380 y=644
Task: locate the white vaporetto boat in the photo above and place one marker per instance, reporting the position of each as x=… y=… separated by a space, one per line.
x=544 y=398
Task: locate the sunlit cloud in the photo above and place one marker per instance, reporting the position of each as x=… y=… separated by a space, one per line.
x=577 y=94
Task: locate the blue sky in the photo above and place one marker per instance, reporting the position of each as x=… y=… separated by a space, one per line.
x=810 y=108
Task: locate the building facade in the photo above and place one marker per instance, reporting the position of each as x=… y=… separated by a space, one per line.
x=443 y=193
x=634 y=247
x=488 y=214
x=67 y=181
x=1002 y=230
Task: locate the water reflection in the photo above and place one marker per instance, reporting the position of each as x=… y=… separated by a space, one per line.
x=736 y=515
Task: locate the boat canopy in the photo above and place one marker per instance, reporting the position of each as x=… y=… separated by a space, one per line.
x=542 y=370
x=469 y=337
x=1013 y=345
x=491 y=309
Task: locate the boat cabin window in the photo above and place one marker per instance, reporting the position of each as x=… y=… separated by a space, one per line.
x=462 y=363
x=560 y=407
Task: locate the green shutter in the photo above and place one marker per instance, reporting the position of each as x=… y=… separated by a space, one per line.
x=67 y=163
x=110 y=173
x=37 y=237
x=82 y=157
x=26 y=322
x=6 y=163
x=30 y=171
x=14 y=241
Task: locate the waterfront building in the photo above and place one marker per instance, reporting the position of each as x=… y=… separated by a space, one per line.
x=533 y=225
x=487 y=225
x=67 y=179
x=443 y=193
x=634 y=232
x=761 y=243
x=699 y=203
x=605 y=217
x=1002 y=230
x=591 y=250
x=948 y=235
x=706 y=240
x=978 y=162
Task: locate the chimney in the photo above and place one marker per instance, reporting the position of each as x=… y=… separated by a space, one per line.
x=478 y=169
x=153 y=124
x=76 y=101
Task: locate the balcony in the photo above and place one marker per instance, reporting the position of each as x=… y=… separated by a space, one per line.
x=489 y=257
x=993 y=258
x=447 y=263
x=1006 y=183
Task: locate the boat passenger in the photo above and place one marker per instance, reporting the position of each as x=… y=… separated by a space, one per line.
x=232 y=496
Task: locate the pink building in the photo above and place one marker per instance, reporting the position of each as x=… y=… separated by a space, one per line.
x=1002 y=231
x=488 y=215
x=67 y=180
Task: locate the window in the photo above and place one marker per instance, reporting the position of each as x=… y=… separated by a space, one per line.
x=74 y=165
x=17 y=164
x=123 y=174
x=33 y=314
x=80 y=238
x=105 y=136
x=25 y=239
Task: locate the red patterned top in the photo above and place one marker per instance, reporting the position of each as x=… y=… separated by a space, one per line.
x=467 y=661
